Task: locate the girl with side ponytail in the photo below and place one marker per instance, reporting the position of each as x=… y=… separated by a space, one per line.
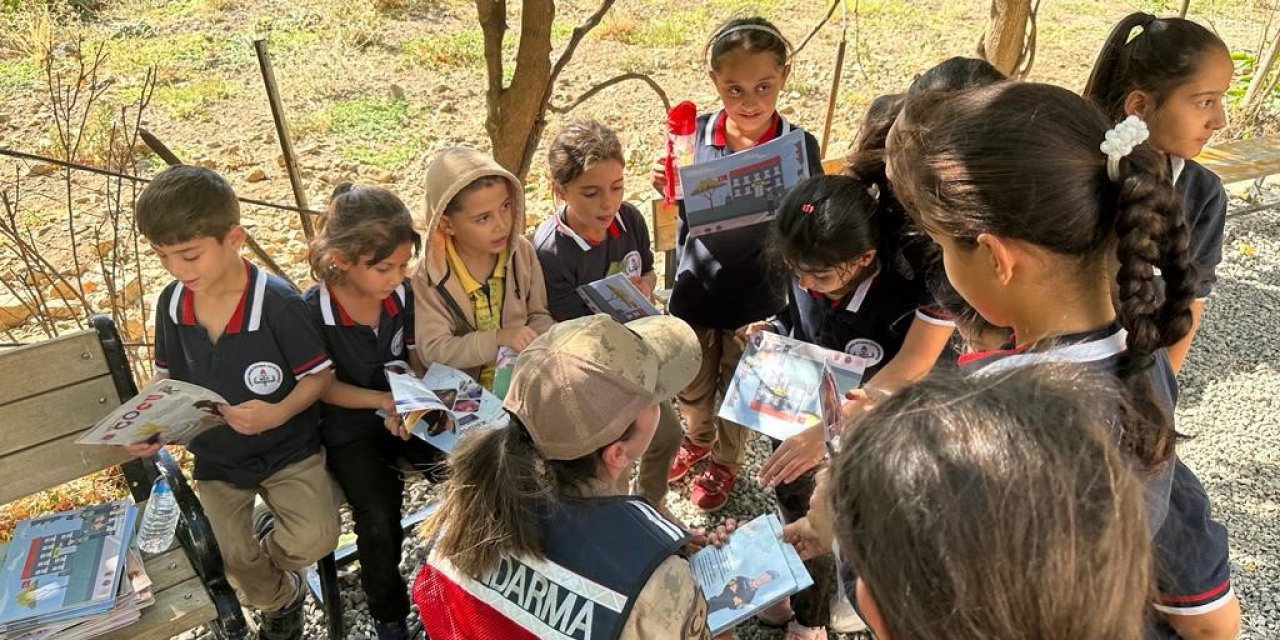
x=1173 y=74
x=1043 y=232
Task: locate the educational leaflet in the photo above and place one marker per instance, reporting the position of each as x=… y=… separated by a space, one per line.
x=503 y=367
x=169 y=411
x=752 y=571
x=829 y=402
x=617 y=296
x=775 y=389
x=743 y=188
x=443 y=404
x=64 y=565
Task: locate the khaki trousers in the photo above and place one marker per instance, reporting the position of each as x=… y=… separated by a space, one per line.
x=306 y=529
x=651 y=480
x=700 y=401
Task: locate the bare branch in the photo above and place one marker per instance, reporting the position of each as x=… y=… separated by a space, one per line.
x=579 y=33
x=813 y=32
x=666 y=103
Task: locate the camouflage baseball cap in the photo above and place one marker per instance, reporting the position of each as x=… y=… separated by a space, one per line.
x=580 y=385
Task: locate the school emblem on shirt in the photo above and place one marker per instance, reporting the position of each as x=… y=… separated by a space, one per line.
x=263 y=378
x=397 y=342
x=869 y=351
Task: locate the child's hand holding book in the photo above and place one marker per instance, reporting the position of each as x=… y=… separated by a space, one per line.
x=516 y=337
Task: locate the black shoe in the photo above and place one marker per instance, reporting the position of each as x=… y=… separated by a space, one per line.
x=397 y=630
x=285 y=623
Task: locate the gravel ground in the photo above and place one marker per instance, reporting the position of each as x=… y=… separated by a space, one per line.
x=1230 y=404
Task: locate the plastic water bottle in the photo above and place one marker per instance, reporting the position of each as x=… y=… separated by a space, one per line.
x=160 y=519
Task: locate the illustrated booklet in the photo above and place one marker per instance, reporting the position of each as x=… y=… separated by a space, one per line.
x=617 y=296
x=777 y=386
x=169 y=411
x=744 y=188
x=443 y=404
x=751 y=572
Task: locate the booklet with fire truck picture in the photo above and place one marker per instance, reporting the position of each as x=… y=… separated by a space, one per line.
x=777 y=387
x=744 y=188
x=169 y=411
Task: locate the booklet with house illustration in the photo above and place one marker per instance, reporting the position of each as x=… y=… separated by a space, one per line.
x=443 y=404
x=65 y=566
x=777 y=387
x=752 y=571
x=169 y=411
x=617 y=296
x=744 y=188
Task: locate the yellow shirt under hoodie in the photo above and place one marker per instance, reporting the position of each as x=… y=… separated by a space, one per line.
x=447 y=325
x=486 y=298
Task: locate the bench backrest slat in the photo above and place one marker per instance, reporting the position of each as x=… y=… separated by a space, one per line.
x=53 y=392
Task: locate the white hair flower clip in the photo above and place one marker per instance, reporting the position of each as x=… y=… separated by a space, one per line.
x=1120 y=141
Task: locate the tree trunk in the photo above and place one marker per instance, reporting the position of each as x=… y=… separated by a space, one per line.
x=1006 y=34
x=515 y=116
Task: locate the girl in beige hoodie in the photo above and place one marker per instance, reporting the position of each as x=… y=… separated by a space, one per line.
x=478 y=285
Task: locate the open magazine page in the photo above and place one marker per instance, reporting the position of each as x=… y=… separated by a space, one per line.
x=752 y=571
x=415 y=402
x=775 y=389
x=617 y=296
x=744 y=188
x=830 y=400
x=470 y=405
x=64 y=565
x=503 y=367
x=171 y=411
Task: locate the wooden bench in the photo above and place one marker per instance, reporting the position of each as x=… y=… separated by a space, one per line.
x=1252 y=159
x=53 y=392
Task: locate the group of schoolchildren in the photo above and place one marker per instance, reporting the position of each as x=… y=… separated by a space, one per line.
x=1017 y=478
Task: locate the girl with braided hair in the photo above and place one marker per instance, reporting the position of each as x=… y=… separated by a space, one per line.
x=1042 y=232
x=1173 y=75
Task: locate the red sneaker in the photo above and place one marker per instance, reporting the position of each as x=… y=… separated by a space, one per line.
x=712 y=487
x=688 y=455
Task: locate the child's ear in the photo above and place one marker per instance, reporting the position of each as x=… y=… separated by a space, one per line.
x=445 y=225
x=999 y=255
x=236 y=236
x=867 y=258
x=556 y=190
x=340 y=260
x=786 y=73
x=1138 y=103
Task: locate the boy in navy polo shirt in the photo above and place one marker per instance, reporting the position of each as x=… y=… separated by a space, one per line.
x=225 y=325
x=592 y=235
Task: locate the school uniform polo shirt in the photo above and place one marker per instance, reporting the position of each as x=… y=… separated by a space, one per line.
x=1204 y=202
x=360 y=355
x=569 y=260
x=723 y=279
x=870 y=322
x=269 y=344
x=1193 y=572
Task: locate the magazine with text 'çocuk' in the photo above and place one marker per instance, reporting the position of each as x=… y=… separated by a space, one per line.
x=168 y=411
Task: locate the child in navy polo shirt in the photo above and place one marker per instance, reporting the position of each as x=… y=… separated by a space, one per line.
x=594 y=234
x=363 y=304
x=722 y=281
x=851 y=290
x=225 y=325
x=1174 y=75
x=1064 y=255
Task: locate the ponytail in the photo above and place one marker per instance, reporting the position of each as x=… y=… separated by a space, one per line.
x=1022 y=160
x=494 y=501
x=1162 y=56
x=1151 y=232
